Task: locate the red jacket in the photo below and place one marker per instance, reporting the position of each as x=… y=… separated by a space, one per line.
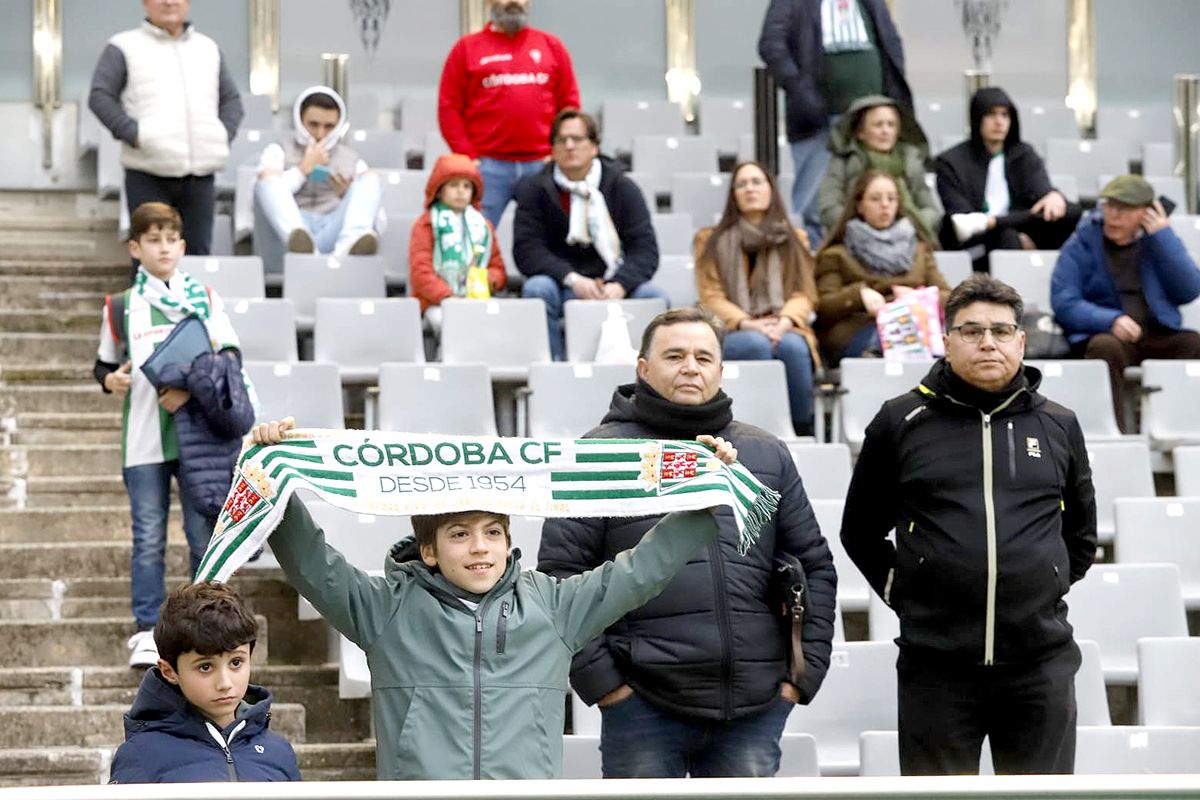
x=423 y=281
x=499 y=93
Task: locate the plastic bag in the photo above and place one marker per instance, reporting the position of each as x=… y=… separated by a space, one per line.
x=910 y=327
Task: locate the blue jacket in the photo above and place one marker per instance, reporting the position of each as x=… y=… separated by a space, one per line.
x=210 y=426
x=168 y=741
x=1084 y=295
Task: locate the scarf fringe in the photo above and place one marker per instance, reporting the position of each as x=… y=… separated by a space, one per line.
x=760 y=513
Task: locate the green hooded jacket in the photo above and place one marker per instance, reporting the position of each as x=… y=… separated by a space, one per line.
x=849 y=162
x=460 y=694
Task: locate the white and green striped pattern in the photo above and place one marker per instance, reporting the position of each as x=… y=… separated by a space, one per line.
x=370 y=472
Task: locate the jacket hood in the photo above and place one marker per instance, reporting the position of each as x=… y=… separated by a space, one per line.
x=448 y=167
x=621 y=408
x=842 y=138
x=160 y=705
x=986 y=98
x=302 y=136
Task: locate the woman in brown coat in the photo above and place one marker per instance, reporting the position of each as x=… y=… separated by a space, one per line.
x=754 y=272
x=873 y=255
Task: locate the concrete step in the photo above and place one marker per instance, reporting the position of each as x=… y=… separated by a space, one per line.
x=20 y=320
x=75 y=296
x=59 y=428
x=80 y=560
x=82 y=491
x=336 y=762
x=87 y=398
x=74 y=525
x=54 y=766
x=48 y=348
x=98 y=726
x=45 y=373
x=62 y=460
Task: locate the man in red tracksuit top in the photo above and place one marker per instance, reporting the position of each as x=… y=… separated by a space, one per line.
x=500 y=90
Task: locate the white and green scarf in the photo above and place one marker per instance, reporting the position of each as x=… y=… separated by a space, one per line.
x=372 y=472
x=460 y=241
x=188 y=297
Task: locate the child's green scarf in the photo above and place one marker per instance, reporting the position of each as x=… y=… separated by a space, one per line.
x=461 y=242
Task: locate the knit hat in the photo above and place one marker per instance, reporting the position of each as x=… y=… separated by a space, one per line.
x=1132 y=190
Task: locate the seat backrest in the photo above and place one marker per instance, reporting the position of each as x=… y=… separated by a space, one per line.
x=1050 y=119
x=309 y=391
x=222 y=235
x=942 y=116
x=1067 y=184
x=649 y=185
x=859 y=694
x=701 y=194
x=1087 y=159
x=363 y=539
x=504 y=239
x=1027 y=271
x=1152 y=530
x=381 y=149
x=824 y=469
x=882 y=623
x=1158 y=158
x=955 y=265
x=1187 y=228
x=853 y=591
x=1133 y=750
x=365 y=333
x=759 y=393
x=1119 y=469
x=745 y=152
x=244 y=151
x=666 y=155
x=1114 y=605
x=1169 y=414
x=266 y=329
x=307 y=277
x=568 y=400
x=1152 y=122
x=674 y=232
x=676 y=276
x=428 y=398
x=258 y=112
x=583 y=320
x=623 y=119
x=526 y=533
x=228 y=276
x=868 y=382
x=509 y=332
x=1168 y=692
x=1187 y=470
x=724 y=119
x=1091 y=697
x=403 y=190
x=1082 y=386
x=434 y=148
x=798 y=756
x=393 y=248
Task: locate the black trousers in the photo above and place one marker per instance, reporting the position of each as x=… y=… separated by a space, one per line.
x=193 y=196
x=1027 y=711
x=1118 y=355
x=1005 y=236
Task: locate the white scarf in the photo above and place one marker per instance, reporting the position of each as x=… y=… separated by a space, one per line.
x=843 y=28
x=590 y=222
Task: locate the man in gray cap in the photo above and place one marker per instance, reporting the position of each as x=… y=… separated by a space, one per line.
x=1119 y=282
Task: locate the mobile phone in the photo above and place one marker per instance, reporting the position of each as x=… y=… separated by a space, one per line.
x=319 y=174
x=1167 y=203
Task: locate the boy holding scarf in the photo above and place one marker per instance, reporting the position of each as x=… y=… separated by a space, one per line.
x=135 y=323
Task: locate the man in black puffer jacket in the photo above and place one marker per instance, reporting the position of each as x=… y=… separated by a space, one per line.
x=694 y=681
x=987 y=485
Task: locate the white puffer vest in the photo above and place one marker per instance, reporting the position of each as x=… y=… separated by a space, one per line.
x=172 y=91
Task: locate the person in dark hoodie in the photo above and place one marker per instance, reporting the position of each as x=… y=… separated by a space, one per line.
x=987 y=486
x=197 y=718
x=697 y=682
x=582 y=229
x=995 y=189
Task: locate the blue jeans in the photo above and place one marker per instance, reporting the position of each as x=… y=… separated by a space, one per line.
x=864 y=339
x=500 y=179
x=548 y=290
x=334 y=232
x=793 y=351
x=149 y=488
x=640 y=740
x=811 y=158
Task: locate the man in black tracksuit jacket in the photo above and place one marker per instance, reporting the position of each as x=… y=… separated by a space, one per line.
x=988 y=488
x=694 y=682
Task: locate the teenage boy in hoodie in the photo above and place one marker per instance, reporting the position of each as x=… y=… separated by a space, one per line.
x=468 y=654
x=314 y=191
x=995 y=189
x=451 y=239
x=197 y=717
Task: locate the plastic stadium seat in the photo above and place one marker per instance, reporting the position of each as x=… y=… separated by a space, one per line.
x=1027 y=271
x=362 y=539
x=1082 y=386
x=621 y=120
x=418 y=116
x=110 y=175
x=584 y=318
x=89 y=131
x=308 y=277
x=1168 y=693
x=526 y=533
x=362 y=109
x=1166 y=530
x=393 y=248
x=882 y=623
x=244 y=151
x=359 y=335
x=825 y=469
x=646 y=182
x=676 y=276
x=859 y=694
x=943 y=116
x=507 y=334
x=660 y=157
x=1135 y=125
x=1169 y=414
x=1087 y=159
x=259 y=113
x=266 y=329
x=222 y=235
x=955 y=266
x=1091 y=697
x=759 y=393
x=1187 y=470
x=853 y=591
x=1187 y=228
x=568 y=400
x=381 y=149
x=435 y=147
x=403 y=190
x=1119 y=470
x=1115 y=605
x=702 y=195
x=244 y=208
x=228 y=276
x=784 y=150
x=1158 y=158
x=429 y=398
x=585 y=719
x=1041 y=121
x=581 y=757
x=798 y=756
x=724 y=119
x=674 y=233
x=1068 y=185
x=868 y=382
x=309 y=391
x=1130 y=750
x=504 y=238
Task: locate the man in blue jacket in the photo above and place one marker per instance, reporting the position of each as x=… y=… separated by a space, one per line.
x=1119 y=282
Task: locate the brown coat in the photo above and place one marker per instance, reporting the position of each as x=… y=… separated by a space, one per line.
x=841 y=276
x=713 y=295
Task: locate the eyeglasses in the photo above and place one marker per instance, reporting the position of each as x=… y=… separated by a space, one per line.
x=746 y=183
x=972 y=333
x=570 y=139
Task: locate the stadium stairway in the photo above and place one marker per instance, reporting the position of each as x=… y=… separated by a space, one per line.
x=64 y=530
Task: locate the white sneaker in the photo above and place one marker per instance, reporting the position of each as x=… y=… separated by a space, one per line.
x=967 y=226
x=144 y=652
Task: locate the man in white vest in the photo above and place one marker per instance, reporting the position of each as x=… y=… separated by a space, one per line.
x=165 y=91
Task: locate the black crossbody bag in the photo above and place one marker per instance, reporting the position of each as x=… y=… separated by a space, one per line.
x=789 y=601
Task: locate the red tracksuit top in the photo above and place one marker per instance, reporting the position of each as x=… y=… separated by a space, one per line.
x=499 y=93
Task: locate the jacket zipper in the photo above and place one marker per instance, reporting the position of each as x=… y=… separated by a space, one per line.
x=478 y=674
x=1012 y=453
x=502 y=628
x=718 y=570
x=187 y=107
x=224 y=745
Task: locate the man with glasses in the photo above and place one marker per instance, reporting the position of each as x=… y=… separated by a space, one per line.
x=987 y=486
x=582 y=229
x=1119 y=282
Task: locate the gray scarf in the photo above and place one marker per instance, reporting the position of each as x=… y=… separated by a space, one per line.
x=765 y=290
x=889 y=251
